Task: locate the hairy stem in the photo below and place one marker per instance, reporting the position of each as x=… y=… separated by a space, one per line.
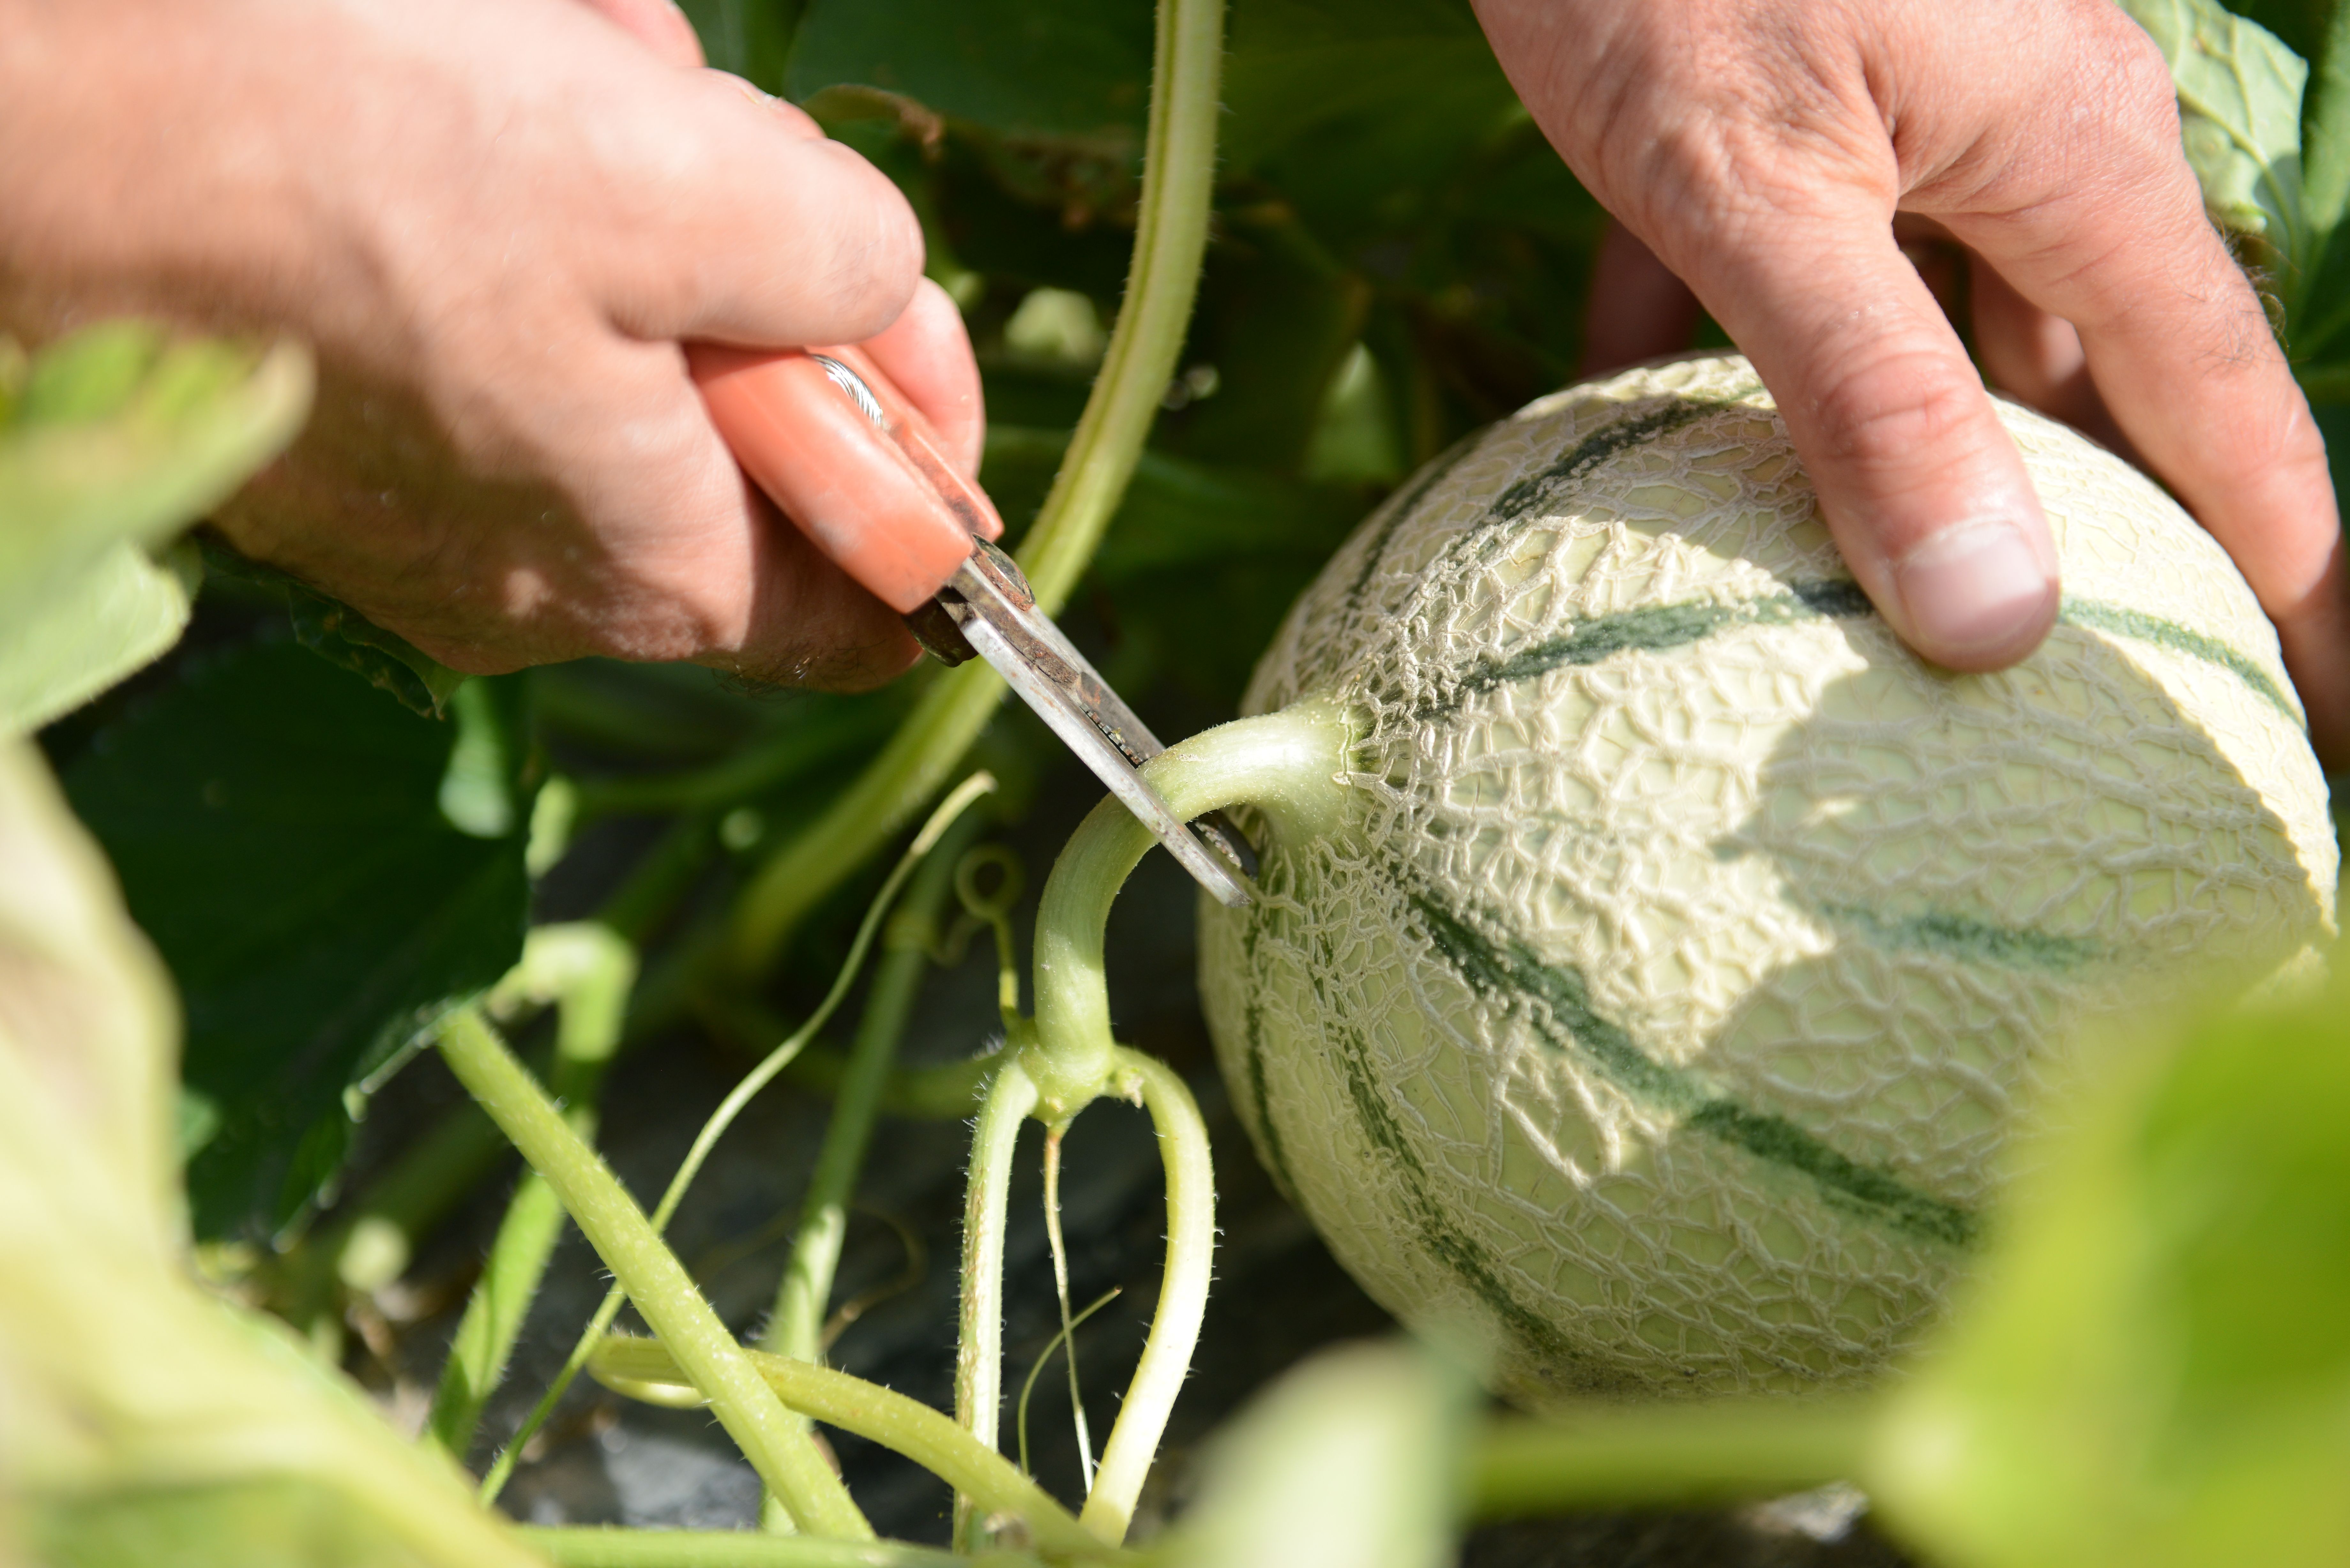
x=904 y=1426
x=776 y=1060
x=1182 y=1293
x=370 y=1245
x=778 y=1448
x=979 y=1359
x=586 y=972
x=797 y=1326
x=1172 y=235
x=1624 y=1457
x=1283 y=763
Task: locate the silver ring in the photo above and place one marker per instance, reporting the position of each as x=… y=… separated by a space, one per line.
x=849 y=382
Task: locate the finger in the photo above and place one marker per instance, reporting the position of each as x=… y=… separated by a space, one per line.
x=927 y=351
x=1925 y=493
x=2181 y=352
x=809 y=624
x=657 y=25
x=1639 y=310
x=2037 y=358
x=760 y=235
x=709 y=555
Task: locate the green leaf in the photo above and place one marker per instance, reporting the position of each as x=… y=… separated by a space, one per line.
x=1194 y=545
x=279 y=835
x=342 y=637
x=1075 y=70
x=2334 y=424
x=1276 y=320
x=88 y=1023
x=120 y=612
x=1178 y=513
x=2240 y=107
x=1416 y=76
x=2326 y=130
x=146 y=1420
x=111 y=442
x=753 y=41
x=2323 y=308
x=2154 y=1370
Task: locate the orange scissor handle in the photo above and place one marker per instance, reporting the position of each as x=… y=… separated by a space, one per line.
x=879 y=498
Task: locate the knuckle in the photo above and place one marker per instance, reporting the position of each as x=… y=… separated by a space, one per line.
x=1893 y=407
x=875 y=254
x=2123 y=70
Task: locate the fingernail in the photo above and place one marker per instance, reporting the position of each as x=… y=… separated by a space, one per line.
x=1976 y=592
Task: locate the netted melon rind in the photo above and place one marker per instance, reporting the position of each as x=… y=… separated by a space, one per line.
x=1693 y=946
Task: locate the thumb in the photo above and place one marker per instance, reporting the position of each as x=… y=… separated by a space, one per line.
x=1917 y=481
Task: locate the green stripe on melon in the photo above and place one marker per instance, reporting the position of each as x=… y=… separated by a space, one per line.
x=1691 y=948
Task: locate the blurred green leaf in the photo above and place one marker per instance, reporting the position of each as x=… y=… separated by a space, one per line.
x=1180 y=513
x=121 y=611
x=1350 y=1460
x=752 y=38
x=280 y=1522
x=2333 y=423
x=2153 y=1371
x=2240 y=107
x=1282 y=315
x=341 y=636
x=147 y=1421
x=1415 y=76
x=2325 y=115
x=2322 y=308
x=111 y=442
x=1029 y=69
x=278 y=832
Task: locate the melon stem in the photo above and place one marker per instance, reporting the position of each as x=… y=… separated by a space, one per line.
x=1182 y=1293
x=979 y=1359
x=1288 y=765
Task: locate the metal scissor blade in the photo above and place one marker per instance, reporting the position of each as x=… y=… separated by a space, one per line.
x=991 y=603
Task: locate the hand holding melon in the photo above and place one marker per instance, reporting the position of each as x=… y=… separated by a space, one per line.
x=1686 y=948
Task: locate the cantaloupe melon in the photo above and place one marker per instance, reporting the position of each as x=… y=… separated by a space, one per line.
x=1689 y=947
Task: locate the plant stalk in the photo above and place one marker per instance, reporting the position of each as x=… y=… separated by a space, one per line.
x=797 y=1326
x=586 y=972
x=758 y=1078
x=1629 y=1456
x=1286 y=765
x=1182 y=1294
x=979 y=1358
x=904 y=1426
x=779 y=1448
x=1170 y=238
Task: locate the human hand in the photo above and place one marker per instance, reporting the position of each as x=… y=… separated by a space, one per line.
x=495 y=224
x=1763 y=149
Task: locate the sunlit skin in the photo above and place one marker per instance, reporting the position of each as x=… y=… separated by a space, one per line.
x=1764 y=152
x=496 y=222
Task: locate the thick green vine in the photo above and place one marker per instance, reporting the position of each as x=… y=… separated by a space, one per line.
x=1170 y=238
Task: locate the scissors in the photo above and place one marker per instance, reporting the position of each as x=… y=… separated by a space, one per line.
x=851 y=461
